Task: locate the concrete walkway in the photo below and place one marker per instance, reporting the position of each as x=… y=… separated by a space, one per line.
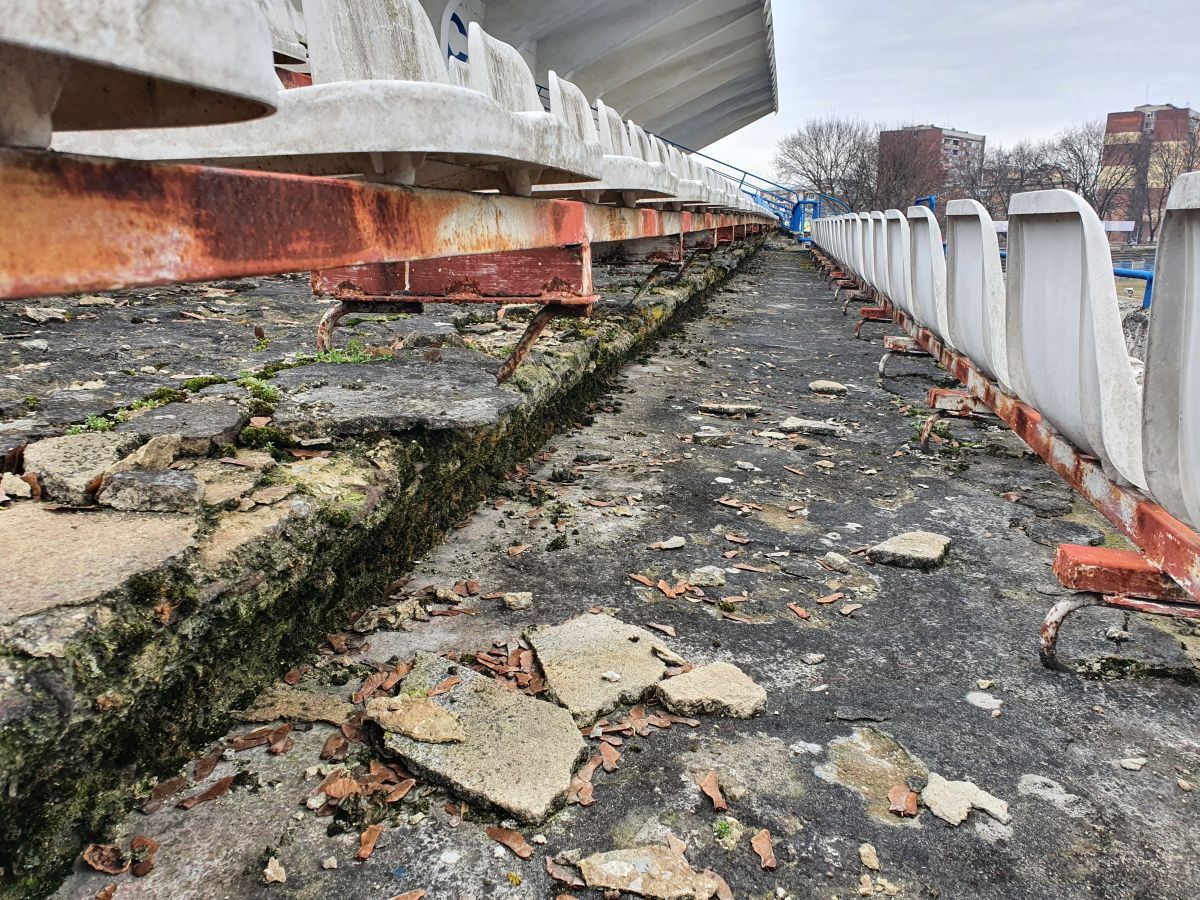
x=886 y=687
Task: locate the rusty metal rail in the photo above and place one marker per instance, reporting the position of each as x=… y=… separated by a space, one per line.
x=80 y=224
x=83 y=224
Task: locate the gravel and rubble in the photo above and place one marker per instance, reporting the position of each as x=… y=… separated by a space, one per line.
x=868 y=771
x=195 y=495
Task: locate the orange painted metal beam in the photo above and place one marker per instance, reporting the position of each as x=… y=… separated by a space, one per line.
x=76 y=224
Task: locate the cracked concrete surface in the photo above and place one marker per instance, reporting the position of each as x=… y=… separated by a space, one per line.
x=867 y=691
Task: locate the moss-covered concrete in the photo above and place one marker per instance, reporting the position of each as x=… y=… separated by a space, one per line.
x=162 y=661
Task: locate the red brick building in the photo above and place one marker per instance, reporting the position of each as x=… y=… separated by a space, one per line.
x=955 y=146
x=1145 y=150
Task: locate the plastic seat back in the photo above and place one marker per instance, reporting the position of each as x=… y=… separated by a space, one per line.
x=569 y=105
x=499 y=71
x=361 y=40
x=899 y=260
x=1171 y=411
x=975 y=288
x=641 y=144
x=928 y=269
x=1066 y=350
x=459 y=72
x=868 y=248
x=879 y=257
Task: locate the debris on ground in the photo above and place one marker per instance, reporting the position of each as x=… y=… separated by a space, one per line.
x=868 y=856
x=273 y=872
x=416 y=717
x=292 y=704
x=718 y=689
x=517 y=754
x=952 y=801
x=575 y=655
x=911 y=550
x=711 y=787
x=827 y=387
x=511 y=839
x=518 y=600
x=650 y=871
x=765 y=848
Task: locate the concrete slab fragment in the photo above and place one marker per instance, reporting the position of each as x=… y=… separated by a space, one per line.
x=648 y=872
x=952 y=801
x=718 y=689
x=517 y=754
x=348 y=399
x=416 y=717
x=911 y=550
x=575 y=655
x=94 y=553
x=200 y=426
x=69 y=465
x=153 y=491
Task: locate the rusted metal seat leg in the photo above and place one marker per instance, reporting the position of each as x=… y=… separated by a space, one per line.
x=532 y=332
x=328 y=323
x=652 y=279
x=1053 y=622
x=883 y=361
x=930 y=424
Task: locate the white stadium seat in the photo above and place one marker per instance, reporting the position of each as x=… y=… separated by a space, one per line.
x=879 y=257
x=1171 y=404
x=1066 y=350
x=928 y=270
x=899 y=260
x=975 y=288
x=383 y=105
x=106 y=64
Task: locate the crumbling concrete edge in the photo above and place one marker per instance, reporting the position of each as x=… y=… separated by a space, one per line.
x=85 y=733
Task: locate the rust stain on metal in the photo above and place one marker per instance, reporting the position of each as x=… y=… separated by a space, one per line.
x=89 y=224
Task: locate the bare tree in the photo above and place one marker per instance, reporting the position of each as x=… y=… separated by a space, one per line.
x=1006 y=171
x=832 y=155
x=1078 y=163
x=1165 y=162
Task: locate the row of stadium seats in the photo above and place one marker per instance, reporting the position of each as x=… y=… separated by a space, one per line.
x=1049 y=332
x=169 y=82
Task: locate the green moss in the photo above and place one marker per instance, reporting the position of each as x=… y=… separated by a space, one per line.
x=353 y=353
x=200 y=382
x=264 y=437
x=30 y=402
x=93 y=423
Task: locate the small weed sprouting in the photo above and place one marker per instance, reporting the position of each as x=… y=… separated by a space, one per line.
x=258 y=388
x=354 y=353
x=93 y=423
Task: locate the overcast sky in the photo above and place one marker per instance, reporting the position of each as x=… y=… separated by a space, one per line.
x=1009 y=69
